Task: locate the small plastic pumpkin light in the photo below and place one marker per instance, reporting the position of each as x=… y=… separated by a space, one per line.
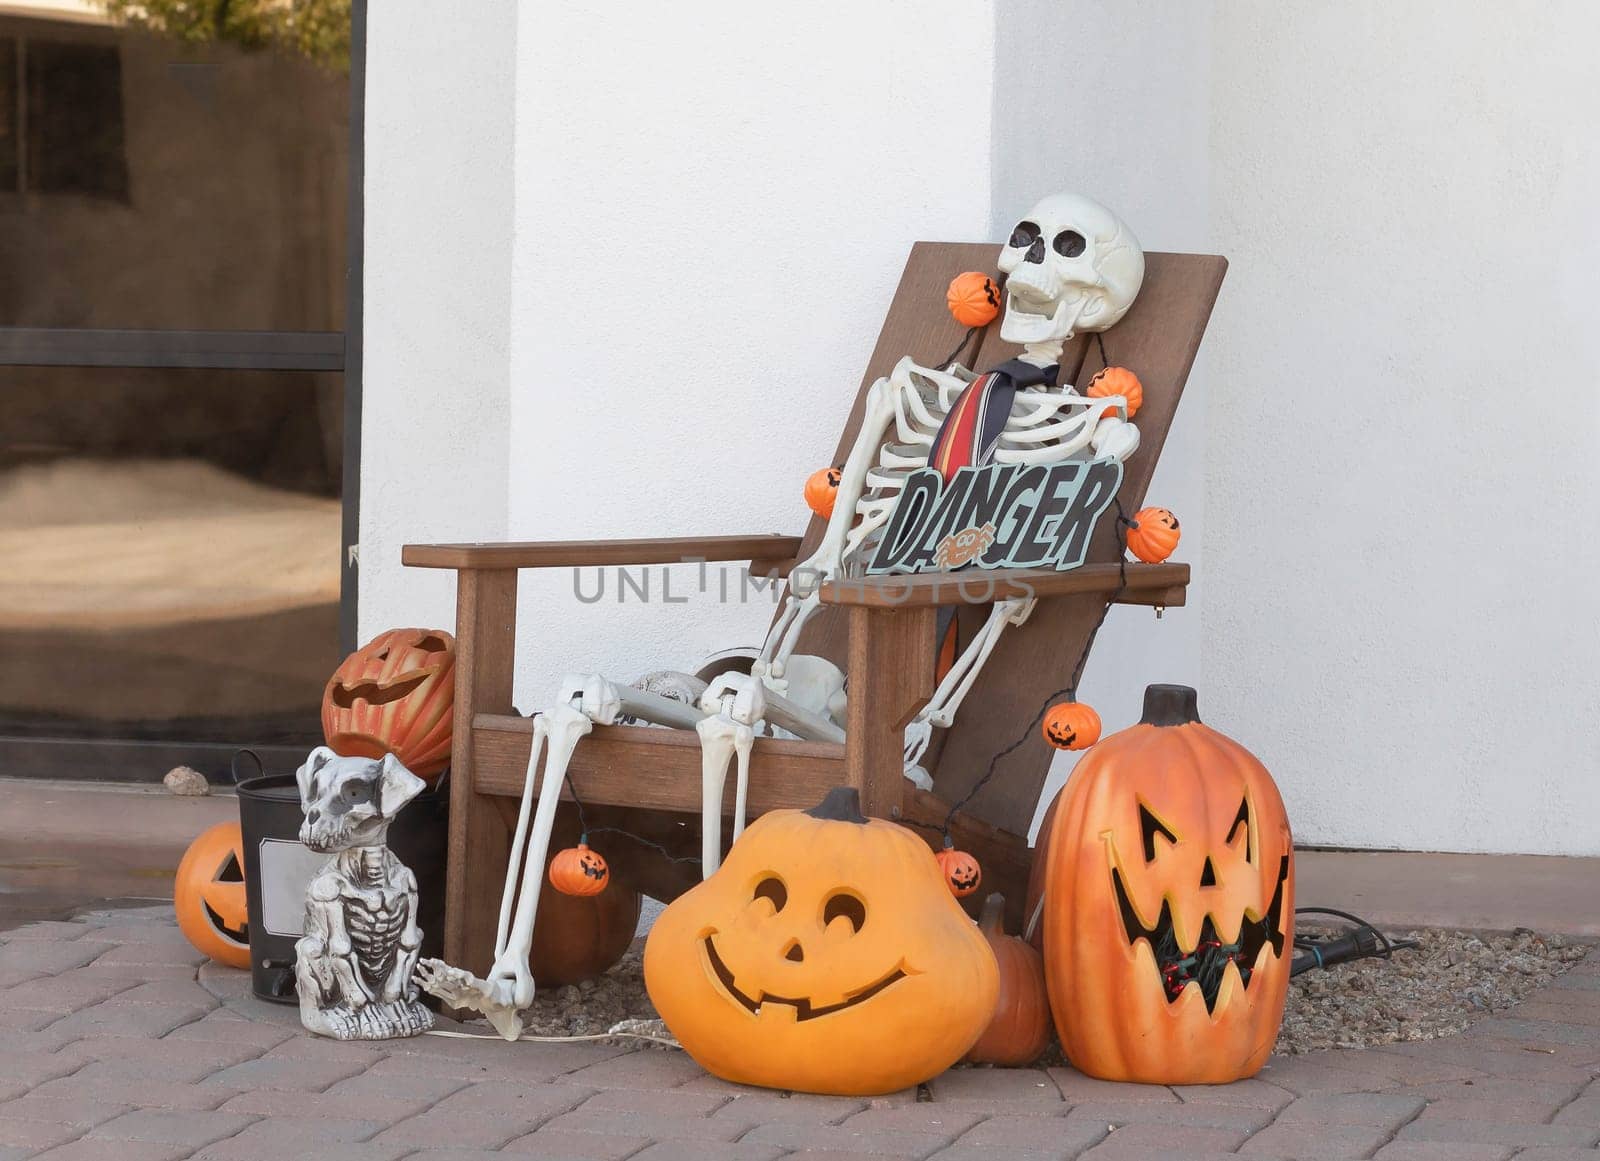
x=208 y=895
x=821 y=488
x=1154 y=535
x=825 y=955
x=962 y=874
x=1020 y=1029
x=579 y=870
x=1117 y=381
x=973 y=299
x=1071 y=726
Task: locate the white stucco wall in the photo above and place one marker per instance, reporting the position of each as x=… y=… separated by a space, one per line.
x=713 y=207
x=1403 y=417
x=437 y=286
x=625 y=264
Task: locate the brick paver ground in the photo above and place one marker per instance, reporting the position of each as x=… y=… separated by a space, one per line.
x=115 y=1045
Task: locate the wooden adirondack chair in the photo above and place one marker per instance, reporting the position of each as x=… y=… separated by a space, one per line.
x=881 y=630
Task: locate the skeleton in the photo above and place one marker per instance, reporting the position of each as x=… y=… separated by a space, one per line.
x=1072 y=266
x=354 y=964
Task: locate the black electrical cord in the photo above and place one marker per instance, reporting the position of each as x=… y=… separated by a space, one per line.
x=1363 y=942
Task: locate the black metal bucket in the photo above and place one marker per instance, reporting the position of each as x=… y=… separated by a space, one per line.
x=277 y=870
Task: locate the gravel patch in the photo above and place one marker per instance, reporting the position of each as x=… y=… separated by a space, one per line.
x=1452 y=980
x=592 y=1007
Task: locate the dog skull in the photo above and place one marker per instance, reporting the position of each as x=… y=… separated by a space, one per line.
x=1071 y=265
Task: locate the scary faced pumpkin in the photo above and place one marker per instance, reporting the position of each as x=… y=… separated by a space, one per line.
x=395 y=695
x=208 y=895
x=825 y=955
x=1169 y=905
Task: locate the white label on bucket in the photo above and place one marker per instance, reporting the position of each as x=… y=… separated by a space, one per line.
x=287 y=869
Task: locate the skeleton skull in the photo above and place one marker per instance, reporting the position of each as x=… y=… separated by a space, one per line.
x=1070 y=265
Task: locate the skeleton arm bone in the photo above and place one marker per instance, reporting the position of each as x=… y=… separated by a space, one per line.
x=941 y=709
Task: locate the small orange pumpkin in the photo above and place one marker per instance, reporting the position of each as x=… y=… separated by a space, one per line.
x=973 y=299
x=1154 y=535
x=579 y=870
x=396 y=694
x=208 y=895
x=1071 y=726
x=1117 y=381
x=821 y=488
x=1020 y=1030
x=962 y=874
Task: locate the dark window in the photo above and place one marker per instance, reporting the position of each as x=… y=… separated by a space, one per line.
x=74 y=119
x=10 y=129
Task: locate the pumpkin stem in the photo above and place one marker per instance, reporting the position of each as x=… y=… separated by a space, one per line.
x=1169 y=705
x=992 y=918
x=842 y=804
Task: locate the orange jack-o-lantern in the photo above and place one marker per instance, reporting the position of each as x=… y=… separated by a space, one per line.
x=973 y=299
x=1169 y=903
x=962 y=874
x=821 y=488
x=208 y=895
x=1117 y=381
x=395 y=695
x=1154 y=535
x=579 y=871
x=825 y=955
x=1071 y=726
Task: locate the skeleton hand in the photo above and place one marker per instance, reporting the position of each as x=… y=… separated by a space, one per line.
x=593 y=696
x=738 y=696
x=1115 y=438
x=462 y=989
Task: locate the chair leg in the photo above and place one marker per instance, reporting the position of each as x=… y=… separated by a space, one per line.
x=891 y=678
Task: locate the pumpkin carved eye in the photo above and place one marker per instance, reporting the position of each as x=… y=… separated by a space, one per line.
x=1242 y=819
x=846 y=905
x=773 y=890
x=1149 y=827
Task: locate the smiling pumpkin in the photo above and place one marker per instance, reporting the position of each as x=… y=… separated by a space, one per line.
x=825 y=955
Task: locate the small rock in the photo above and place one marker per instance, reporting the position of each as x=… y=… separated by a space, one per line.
x=186 y=781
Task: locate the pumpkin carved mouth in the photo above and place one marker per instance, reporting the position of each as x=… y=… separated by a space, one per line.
x=804 y=1010
x=346 y=696
x=1210 y=957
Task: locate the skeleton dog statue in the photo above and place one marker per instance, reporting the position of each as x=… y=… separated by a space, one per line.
x=1071 y=266
x=354 y=964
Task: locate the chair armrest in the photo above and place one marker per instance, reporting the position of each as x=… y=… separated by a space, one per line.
x=566 y=553
x=1146 y=584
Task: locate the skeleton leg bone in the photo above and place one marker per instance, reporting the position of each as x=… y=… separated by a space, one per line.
x=509 y=986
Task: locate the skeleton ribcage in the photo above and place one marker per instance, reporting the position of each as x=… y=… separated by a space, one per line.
x=1045 y=427
x=375 y=934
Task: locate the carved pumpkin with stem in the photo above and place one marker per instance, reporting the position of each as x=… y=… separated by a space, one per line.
x=395 y=695
x=825 y=955
x=1169 y=903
